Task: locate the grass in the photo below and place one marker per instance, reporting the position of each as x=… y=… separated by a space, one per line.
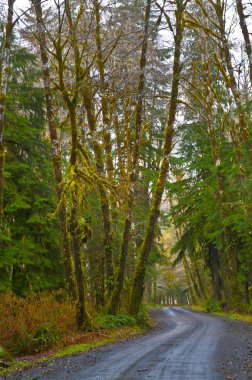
x=229 y=314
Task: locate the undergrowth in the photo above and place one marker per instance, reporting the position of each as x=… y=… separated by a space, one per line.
x=40 y=322
x=114 y=321
x=35 y=323
x=215 y=307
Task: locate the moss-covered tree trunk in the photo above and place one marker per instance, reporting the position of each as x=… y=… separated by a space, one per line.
x=199 y=280
x=3 y=91
x=105 y=203
x=196 y=291
x=82 y=317
x=104 y=96
x=139 y=276
x=118 y=136
x=245 y=32
x=5 y=272
x=189 y=280
x=230 y=78
x=213 y=261
x=118 y=286
x=56 y=151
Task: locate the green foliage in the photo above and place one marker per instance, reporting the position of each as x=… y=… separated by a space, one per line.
x=212 y=304
x=31 y=242
x=45 y=337
x=113 y=321
x=4 y=354
x=212 y=202
x=143 y=316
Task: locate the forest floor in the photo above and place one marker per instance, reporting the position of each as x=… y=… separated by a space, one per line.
x=184 y=344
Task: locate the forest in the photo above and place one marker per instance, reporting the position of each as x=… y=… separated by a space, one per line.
x=125 y=161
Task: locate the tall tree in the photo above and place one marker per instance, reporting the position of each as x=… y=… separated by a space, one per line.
x=115 y=298
x=139 y=276
x=56 y=151
x=4 y=74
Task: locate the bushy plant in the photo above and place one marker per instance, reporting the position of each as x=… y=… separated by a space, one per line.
x=35 y=323
x=212 y=304
x=114 y=321
x=4 y=354
x=45 y=337
x=143 y=317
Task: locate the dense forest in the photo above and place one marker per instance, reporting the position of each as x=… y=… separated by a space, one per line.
x=126 y=153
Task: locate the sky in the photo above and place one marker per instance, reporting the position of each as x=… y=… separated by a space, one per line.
x=24 y=4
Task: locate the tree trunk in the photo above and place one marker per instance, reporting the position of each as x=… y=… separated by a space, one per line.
x=231 y=82
x=189 y=281
x=245 y=33
x=214 y=267
x=246 y=292
x=118 y=286
x=107 y=229
x=3 y=90
x=196 y=291
x=119 y=145
x=82 y=317
x=104 y=100
x=56 y=153
x=6 y=271
x=138 y=282
x=200 y=282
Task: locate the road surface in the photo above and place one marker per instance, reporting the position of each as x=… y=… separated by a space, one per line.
x=185 y=345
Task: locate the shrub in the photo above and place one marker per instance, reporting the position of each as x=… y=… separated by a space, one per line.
x=45 y=337
x=114 y=321
x=4 y=355
x=212 y=304
x=143 y=317
x=35 y=323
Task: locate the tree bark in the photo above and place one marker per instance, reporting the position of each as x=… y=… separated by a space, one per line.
x=139 y=276
x=214 y=267
x=6 y=271
x=231 y=82
x=200 y=282
x=103 y=88
x=3 y=91
x=107 y=228
x=245 y=32
x=82 y=317
x=56 y=152
x=118 y=286
x=189 y=280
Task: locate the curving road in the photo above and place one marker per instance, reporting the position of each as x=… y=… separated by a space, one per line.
x=185 y=345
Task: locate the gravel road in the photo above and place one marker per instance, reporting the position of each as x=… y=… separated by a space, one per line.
x=184 y=345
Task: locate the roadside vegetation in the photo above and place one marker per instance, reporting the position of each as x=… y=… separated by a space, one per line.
x=42 y=326
x=217 y=309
